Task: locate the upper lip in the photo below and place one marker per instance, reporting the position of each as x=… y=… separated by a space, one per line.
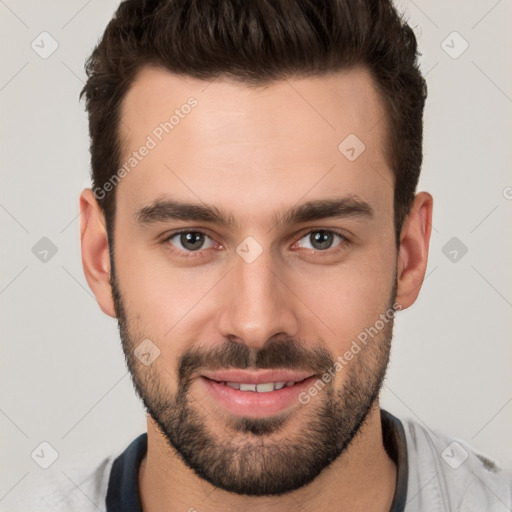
x=256 y=376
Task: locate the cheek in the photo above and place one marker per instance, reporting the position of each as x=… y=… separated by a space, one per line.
x=144 y=289
x=345 y=300
x=163 y=300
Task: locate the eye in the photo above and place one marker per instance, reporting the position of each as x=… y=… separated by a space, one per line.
x=190 y=241
x=322 y=239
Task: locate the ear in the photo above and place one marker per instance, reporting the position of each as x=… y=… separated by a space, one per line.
x=95 y=255
x=413 y=251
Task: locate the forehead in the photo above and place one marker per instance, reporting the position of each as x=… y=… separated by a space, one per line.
x=210 y=140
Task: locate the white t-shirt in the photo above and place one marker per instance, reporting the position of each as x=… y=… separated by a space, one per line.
x=436 y=473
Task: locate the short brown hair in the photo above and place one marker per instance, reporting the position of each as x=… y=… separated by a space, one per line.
x=257 y=42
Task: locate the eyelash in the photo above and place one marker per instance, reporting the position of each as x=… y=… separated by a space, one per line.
x=192 y=254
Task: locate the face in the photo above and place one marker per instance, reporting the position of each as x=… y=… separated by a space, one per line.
x=306 y=267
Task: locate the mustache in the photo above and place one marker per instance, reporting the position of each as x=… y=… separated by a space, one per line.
x=273 y=355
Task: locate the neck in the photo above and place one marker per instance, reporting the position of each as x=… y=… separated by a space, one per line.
x=361 y=478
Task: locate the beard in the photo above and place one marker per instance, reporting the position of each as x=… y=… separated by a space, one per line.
x=256 y=456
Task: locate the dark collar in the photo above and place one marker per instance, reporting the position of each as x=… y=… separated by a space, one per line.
x=123 y=485
x=393 y=437
x=123 y=490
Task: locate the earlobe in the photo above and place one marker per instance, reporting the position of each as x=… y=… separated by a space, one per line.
x=95 y=251
x=413 y=251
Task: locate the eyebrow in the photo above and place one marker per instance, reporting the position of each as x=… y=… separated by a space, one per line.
x=169 y=209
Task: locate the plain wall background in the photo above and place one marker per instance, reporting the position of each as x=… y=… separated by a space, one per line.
x=62 y=370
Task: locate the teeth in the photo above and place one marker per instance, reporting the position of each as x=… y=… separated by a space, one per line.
x=260 y=388
x=247 y=387
x=265 y=388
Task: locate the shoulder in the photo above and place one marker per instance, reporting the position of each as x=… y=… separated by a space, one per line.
x=65 y=489
x=447 y=473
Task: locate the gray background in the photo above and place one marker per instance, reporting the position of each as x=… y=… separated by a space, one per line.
x=62 y=369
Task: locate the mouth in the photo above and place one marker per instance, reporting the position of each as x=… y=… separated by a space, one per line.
x=256 y=394
x=264 y=387
x=258 y=377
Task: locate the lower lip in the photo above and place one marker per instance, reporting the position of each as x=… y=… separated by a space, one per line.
x=253 y=403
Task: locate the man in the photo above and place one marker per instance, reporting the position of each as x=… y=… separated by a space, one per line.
x=253 y=225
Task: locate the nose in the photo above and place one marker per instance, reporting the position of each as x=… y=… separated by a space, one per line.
x=258 y=304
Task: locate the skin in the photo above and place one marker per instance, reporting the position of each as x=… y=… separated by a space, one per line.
x=252 y=153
